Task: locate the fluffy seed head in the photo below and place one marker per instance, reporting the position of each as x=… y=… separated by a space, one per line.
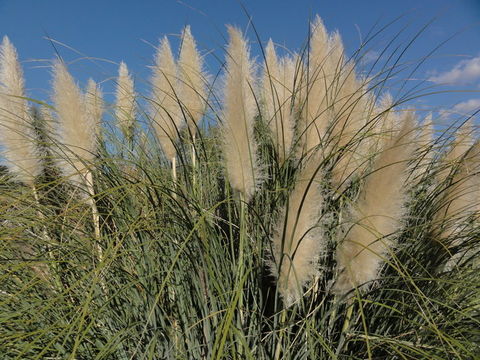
x=459 y=180
x=377 y=214
x=350 y=105
x=165 y=110
x=277 y=99
x=192 y=80
x=125 y=102
x=94 y=105
x=298 y=241
x=239 y=114
x=77 y=130
x=16 y=128
x=315 y=117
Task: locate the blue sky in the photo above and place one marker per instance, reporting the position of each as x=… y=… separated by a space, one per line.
x=97 y=35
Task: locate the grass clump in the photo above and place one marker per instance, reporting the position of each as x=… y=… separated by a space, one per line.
x=308 y=219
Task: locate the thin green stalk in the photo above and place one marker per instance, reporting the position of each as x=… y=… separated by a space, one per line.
x=194 y=161
x=95 y=214
x=241 y=263
x=345 y=327
x=174 y=177
x=278 y=349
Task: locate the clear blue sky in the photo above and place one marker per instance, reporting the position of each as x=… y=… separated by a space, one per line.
x=109 y=31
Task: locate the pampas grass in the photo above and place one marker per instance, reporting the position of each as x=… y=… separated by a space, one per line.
x=460 y=204
x=192 y=81
x=202 y=275
x=239 y=112
x=77 y=129
x=278 y=82
x=377 y=215
x=298 y=240
x=165 y=108
x=79 y=117
x=459 y=200
x=125 y=103
x=319 y=78
x=350 y=108
x=16 y=127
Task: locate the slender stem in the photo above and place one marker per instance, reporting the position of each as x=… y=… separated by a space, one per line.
x=95 y=214
x=194 y=152
x=194 y=161
x=241 y=262
x=345 y=327
x=278 y=349
x=174 y=177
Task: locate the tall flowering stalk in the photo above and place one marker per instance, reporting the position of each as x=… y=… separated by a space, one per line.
x=239 y=113
x=459 y=180
x=378 y=213
x=298 y=241
x=125 y=103
x=192 y=81
x=278 y=99
x=94 y=108
x=16 y=124
x=79 y=117
x=192 y=85
x=350 y=107
x=165 y=109
x=77 y=131
x=315 y=114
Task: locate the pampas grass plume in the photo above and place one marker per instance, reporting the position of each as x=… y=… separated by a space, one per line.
x=277 y=95
x=350 y=102
x=459 y=178
x=378 y=213
x=78 y=129
x=125 y=102
x=298 y=241
x=165 y=109
x=239 y=115
x=16 y=127
x=94 y=104
x=192 y=81
x=315 y=115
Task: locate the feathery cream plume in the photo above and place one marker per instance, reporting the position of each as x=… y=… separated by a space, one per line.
x=350 y=103
x=315 y=117
x=383 y=123
x=166 y=114
x=239 y=113
x=460 y=181
x=389 y=119
x=125 y=102
x=298 y=241
x=288 y=103
x=270 y=77
x=377 y=214
x=192 y=81
x=94 y=105
x=78 y=130
x=94 y=108
x=460 y=201
x=277 y=95
x=16 y=127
